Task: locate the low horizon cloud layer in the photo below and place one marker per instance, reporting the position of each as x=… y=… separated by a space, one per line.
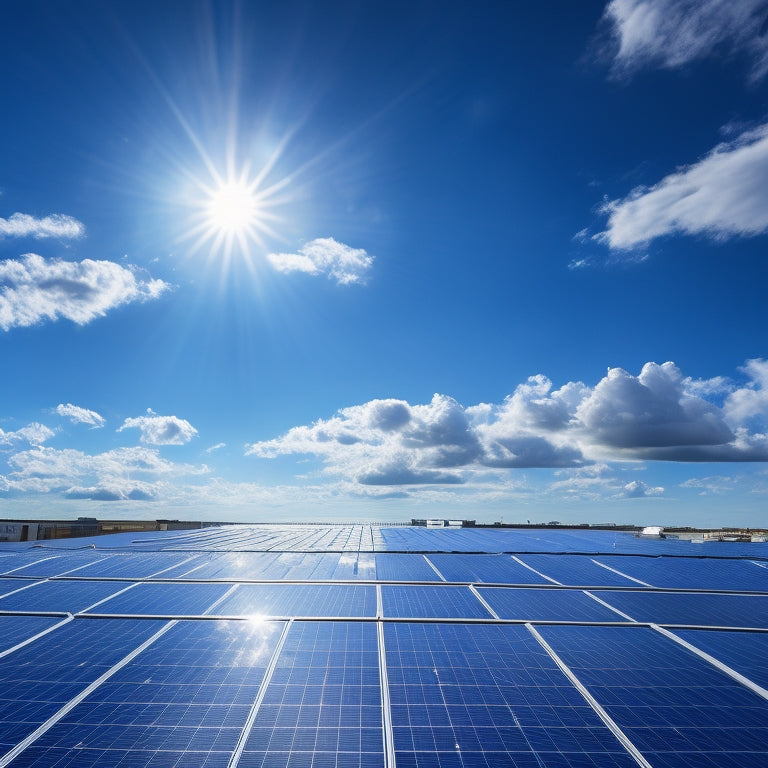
x=593 y=440
x=658 y=415
x=723 y=195
x=56 y=225
x=326 y=256
x=33 y=289
x=672 y=33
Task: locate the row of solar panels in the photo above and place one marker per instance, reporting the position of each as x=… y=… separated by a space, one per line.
x=373 y=538
x=215 y=693
x=401 y=601
x=573 y=570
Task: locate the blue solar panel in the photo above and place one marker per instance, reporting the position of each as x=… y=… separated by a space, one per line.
x=693 y=573
x=488 y=695
x=676 y=708
x=36 y=680
x=395 y=567
x=555 y=605
x=499 y=569
x=576 y=570
x=183 y=701
x=745 y=652
x=72 y=596
x=134 y=566
x=163 y=599
x=335 y=600
x=16 y=629
x=431 y=602
x=11 y=585
x=323 y=704
x=690 y=608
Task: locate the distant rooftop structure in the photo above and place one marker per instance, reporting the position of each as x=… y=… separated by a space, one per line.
x=311 y=646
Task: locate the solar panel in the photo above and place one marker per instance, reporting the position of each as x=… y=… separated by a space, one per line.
x=323 y=703
x=184 y=701
x=672 y=705
x=691 y=608
x=381 y=646
x=335 y=600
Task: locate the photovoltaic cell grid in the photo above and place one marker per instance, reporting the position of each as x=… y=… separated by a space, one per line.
x=676 y=708
x=490 y=696
x=210 y=692
x=336 y=600
x=323 y=704
x=182 y=701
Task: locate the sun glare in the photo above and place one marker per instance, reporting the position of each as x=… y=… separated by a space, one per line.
x=232 y=208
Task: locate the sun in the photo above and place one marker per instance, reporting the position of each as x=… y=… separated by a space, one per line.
x=232 y=217
x=232 y=208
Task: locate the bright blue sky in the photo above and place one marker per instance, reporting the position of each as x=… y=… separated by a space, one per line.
x=381 y=261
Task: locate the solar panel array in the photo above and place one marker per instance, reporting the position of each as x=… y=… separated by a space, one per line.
x=355 y=645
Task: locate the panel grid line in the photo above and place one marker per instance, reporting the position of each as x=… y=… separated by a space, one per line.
x=72 y=703
x=592 y=701
x=737 y=676
x=246 y=732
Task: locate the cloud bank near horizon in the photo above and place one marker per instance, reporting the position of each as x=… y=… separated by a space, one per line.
x=658 y=415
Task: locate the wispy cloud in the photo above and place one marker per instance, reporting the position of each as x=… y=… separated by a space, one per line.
x=672 y=33
x=79 y=415
x=161 y=430
x=723 y=195
x=33 y=289
x=216 y=447
x=656 y=415
x=55 y=225
x=326 y=256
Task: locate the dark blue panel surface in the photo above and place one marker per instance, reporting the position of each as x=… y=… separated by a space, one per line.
x=688 y=608
x=300 y=600
x=676 y=708
x=546 y=605
x=16 y=629
x=164 y=599
x=576 y=570
x=692 y=572
x=323 y=705
x=395 y=567
x=488 y=695
x=746 y=652
x=38 y=679
x=134 y=566
x=182 y=702
x=11 y=585
x=431 y=602
x=499 y=569
x=52 y=596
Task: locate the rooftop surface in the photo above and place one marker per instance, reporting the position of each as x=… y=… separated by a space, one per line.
x=357 y=645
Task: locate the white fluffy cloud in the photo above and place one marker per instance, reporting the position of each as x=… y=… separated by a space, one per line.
x=161 y=430
x=671 y=33
x=33 y=289
x=326 y=256
x=122 y=474
x=725 y=194
x=656 y=415
x=55 y=225
x=34 y=434
x=78 y=415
